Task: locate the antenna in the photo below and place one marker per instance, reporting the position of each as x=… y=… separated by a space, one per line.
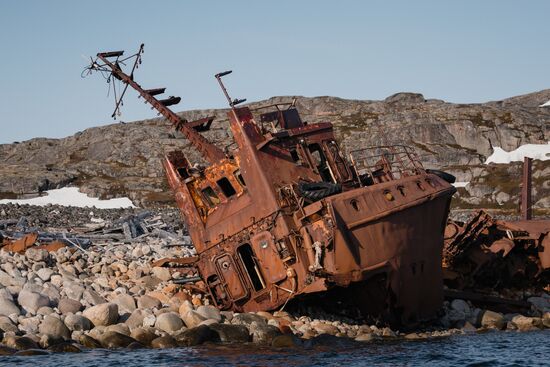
x=112 y=69
x=232 y=103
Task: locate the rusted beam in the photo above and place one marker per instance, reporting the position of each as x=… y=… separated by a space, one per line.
x=526 y=190
x=211 y=152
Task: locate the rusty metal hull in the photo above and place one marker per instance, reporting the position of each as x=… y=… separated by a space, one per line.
x=402 y=244
x=285 y=213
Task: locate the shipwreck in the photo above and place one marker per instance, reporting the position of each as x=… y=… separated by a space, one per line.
x=285 y=213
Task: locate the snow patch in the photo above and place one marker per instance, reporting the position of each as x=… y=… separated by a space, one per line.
x=547 y=104
x=461 y=183
x=535 y=151
x=70 y=196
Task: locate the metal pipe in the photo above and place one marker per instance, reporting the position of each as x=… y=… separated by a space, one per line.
x=308 y=245
x=526 y=190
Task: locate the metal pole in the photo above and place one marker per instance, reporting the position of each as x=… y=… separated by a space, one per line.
x=526 y=185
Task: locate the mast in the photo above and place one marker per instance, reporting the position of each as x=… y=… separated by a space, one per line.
x=209 y=151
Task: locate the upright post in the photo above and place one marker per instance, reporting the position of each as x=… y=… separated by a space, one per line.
x=526 y=198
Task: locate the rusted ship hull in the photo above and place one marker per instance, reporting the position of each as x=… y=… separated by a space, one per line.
x=284 y=213
x=396 y=244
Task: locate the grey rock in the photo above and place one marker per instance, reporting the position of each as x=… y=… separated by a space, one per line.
x=77 y=322
x=125 y=302
x=263 y=333
x=36 y=254
x=231 y=333
x=491 y=319
x=45 y=274
x=196 y=336
x=210 y=312
x=31 y=301
x=169 y=322
x=164 y=342
x=247 y=319
x=144 y=335
x=192 y=318
x=112 y=340
x=7 y=307
x=162 y=273
x=67 y=305
x=55 y=327
x=146 y=301
x=93 y=298
x=136 y=319
x=103 y=314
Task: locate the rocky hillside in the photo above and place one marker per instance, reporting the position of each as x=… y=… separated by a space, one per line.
x=125 y=159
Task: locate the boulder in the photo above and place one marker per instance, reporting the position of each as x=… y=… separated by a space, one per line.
x=210 y=312
x=164 y=342
x=144 y=335
x=7 y=307
x=491 y=319
x=541 y=304
x=112 y=340
x=192 y=318
x=196 y=336
x=146 y=301
x=64 y=348
x=324 y=328
x=185 y=307
x=89 y=342
x=247 y=318
x=231 y=333
x=263 y=333
x=119 y=328
x=54 y=327
x=31 y=301
x=546 y=319
x=20 y=342
x=462 y=306
x=103 y=314
x=125 y=302
x=162 y=273
x=136 y=319
x=524 y=323
x=77 y=322
x=45 y=274
x=67 y=305
x=169 y=322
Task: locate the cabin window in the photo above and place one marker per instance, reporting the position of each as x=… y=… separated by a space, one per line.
x=239 y=177
x=251 y=266
x=210 y=196
x=320 y=161
x=226 y=187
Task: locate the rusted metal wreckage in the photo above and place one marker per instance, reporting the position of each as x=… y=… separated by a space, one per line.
x=285 y=213
x=485 y=253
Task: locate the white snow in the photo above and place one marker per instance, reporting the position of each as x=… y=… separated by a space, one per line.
x=547 y=104
x=535 y=151
x=461 y=183
x=70 y=196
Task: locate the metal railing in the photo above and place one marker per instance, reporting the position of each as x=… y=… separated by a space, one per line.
x=388 y=161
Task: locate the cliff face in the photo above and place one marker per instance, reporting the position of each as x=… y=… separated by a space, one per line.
x=125 y=159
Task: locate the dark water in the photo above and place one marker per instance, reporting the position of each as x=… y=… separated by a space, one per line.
x=489 y=349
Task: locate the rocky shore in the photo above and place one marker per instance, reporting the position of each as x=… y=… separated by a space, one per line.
x=109 y=295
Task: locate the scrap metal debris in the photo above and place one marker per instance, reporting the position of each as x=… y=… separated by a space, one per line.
x=496 y=254
x=17 y=236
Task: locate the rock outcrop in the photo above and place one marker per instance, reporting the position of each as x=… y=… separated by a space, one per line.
x=125 y=159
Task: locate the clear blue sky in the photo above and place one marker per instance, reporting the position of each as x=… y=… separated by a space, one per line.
x=460 y=51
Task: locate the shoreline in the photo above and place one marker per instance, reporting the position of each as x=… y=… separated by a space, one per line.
x=109 y=295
